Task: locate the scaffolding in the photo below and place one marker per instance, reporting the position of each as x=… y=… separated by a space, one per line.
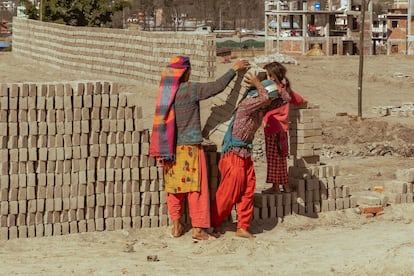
x=294 y=27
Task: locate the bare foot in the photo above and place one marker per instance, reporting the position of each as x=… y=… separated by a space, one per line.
x=177 y=229
x=244 y=233
x=200 y=234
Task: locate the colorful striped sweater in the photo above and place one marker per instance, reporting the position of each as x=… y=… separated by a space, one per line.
x=187 y=107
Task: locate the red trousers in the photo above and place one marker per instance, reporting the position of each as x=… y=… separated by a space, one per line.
x=237 y=186
x=198 y=202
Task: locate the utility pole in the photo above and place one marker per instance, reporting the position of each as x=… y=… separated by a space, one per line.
x=41 y=10
x=361 y=59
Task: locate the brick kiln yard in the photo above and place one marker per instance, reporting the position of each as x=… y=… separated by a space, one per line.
x=368 y=153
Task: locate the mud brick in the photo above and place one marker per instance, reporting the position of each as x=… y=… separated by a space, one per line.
x=13 y=103
x=109 y=224
x=118 y=174
x=339 y=203
x=145 y=185
x=338 y=192
x=120 y=150
x=104 y=100
x=13 y=194
x=256 y=213
x=317 y=195
x=409 y=199
x=105 y=125
x=71 y=215
x=85 y=126
x=73 y=227
x=51 y=128
x=137 y=112
x=13 y=129
x=4 y=207
x=120 y=125
x=405 y=175
x=259 y=200
x=4 y=103
x=331 y=204
x=67 y=102
x=90 y=213
x=264 y=213
x=324 y=205
x=108 y=212
x=346 y=192
x=12 y=219
x=12 y=116
x=41 y=205
x=80 y=214
x=332 y=193
x=146 y=222
x=396 y=186
x=41 y=102
x=99 y=212
x=347 y=203
x=65 y=228
x=32 y=154
x=42 y=128
x=118 y=199
x=312 y=184
x=22 y=231
x=145 y=173
x=22 y=193
x=287 y=210
x=102 y=149
x=4 y=194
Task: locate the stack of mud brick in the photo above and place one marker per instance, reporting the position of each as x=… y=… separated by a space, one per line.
x=224 y=105
x=317 y=187
x=401 y=189
x=109 y=52
x=74 y=158
x=404 y=110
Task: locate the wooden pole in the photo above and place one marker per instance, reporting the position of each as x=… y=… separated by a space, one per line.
x=361 y=58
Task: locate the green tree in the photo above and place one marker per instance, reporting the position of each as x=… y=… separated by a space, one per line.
x=81 y=12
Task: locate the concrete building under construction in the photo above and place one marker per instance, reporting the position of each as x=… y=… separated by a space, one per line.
x=296 y=27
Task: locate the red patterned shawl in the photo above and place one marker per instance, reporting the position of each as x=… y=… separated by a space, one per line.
x=163 y=136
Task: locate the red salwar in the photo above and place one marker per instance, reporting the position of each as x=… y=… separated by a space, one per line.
x=237 y=186
x=198 y=202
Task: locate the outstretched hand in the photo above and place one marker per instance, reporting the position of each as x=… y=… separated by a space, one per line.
x=241 y=65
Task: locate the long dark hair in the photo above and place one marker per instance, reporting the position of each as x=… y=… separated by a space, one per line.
x=278 y=72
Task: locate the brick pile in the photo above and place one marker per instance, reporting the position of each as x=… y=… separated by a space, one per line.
x=317 y=187
x=404 y=110
x=224 y=104
x=124 y=54
x=74 y=158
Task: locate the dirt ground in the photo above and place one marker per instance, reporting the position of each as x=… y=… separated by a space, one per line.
x=368 y=151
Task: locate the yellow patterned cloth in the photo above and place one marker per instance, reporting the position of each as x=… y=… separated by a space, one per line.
x=182 y=176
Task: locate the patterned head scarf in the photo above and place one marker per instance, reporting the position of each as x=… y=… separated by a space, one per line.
x=269 y=85
x=163 y=136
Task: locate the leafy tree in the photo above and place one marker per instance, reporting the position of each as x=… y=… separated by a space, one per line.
x=31 y=11
x=81 y=12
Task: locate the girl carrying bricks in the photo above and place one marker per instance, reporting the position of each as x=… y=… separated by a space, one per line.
x=176 y=142
x=276 y=125
x=238 y=179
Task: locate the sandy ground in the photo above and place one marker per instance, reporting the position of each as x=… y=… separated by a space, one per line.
x=334 y=243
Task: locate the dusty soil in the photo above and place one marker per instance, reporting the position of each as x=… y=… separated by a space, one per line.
x=369 y=151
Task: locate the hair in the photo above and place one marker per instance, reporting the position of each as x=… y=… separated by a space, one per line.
x=278 y=72
x=185 y=76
